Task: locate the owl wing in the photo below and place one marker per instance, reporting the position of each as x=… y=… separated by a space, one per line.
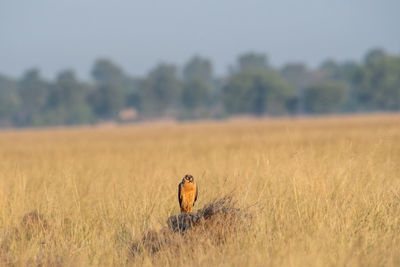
x=179 y=194
x=195 y=198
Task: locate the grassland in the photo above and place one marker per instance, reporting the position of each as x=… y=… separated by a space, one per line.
x=325 y=191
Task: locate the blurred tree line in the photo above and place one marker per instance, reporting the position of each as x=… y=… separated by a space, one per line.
x=252 y=87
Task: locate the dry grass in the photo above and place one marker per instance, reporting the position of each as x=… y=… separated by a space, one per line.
x=329 y=192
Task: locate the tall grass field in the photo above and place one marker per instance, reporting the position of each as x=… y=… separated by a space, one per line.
x=320 y=192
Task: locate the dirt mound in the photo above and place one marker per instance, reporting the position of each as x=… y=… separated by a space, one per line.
x=34 y=220
x=216 y=222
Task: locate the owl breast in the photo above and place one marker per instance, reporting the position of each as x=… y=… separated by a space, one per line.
x=188 y=193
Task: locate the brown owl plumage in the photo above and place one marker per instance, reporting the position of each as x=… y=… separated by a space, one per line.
x=187 y=193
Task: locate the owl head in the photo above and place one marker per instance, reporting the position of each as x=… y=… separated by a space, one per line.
x=188 y=178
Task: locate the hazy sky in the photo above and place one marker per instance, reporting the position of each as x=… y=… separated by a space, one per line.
x=58 y=34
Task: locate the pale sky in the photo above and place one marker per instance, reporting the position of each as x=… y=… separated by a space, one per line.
x=54 y=35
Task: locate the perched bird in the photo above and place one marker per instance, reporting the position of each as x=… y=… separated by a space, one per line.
x=187 y=193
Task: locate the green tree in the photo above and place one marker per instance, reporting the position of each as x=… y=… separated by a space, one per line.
x=252 y=61
x=132 y=94
x=104 y=71
x=161 y=90
x=67 y=102
x=379 y=87
x=376 y=54
x=9 y=100
x=330 y=69
x=198 y=68
x=299 y=78
x=351 y=73
x=198 y=86
x=195 y=94
x=296 y=74
x=108 y=97
x=257 y=92
x=33 y=91
x=68 y=91
x=325 y=97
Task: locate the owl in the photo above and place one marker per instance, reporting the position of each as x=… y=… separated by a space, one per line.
x=187 y=193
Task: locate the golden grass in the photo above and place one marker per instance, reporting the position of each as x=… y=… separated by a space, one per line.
x=327 y=191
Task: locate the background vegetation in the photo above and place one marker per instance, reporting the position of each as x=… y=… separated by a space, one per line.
x=252 y=87
x=326 y=191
